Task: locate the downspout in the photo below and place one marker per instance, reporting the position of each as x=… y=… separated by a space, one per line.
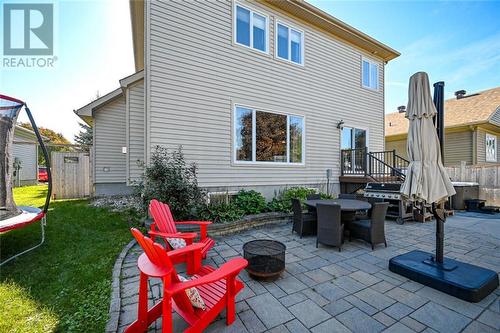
x=474 y=144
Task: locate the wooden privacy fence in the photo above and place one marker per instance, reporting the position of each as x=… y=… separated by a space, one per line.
x=487 y=176
x=70 y=175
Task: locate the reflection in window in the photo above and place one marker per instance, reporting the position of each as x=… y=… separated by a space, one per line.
x=296 y=130
x=243 y=134
x=369 y=74
x=282 y=41
x=289 y=44
x=251 y=29
x=275 y=137
x=270 y=137
x=259 y=32
x=242 y=26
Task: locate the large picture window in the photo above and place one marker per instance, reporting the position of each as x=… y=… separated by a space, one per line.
x=491 y=148
x=251 y=29
x=268 y=137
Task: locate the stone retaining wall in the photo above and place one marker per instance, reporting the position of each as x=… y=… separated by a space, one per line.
x=247 y=222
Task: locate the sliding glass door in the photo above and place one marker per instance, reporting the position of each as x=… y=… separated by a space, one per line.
x=353 y=139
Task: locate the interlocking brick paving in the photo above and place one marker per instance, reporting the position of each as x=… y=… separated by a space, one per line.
x=323 y=290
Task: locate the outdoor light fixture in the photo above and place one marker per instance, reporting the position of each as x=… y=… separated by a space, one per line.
x=340 y=125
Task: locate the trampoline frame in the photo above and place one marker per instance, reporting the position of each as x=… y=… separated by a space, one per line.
x=42 y=216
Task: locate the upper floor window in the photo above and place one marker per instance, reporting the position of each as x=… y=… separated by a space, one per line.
x=491 y=148
x=289 y=44
x=251 y=29
x=369 y=74
x=263 y=137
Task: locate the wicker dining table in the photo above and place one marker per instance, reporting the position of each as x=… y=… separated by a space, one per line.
x=349 y=207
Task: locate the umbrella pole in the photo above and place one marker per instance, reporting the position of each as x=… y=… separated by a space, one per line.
x=440 y=219
x=439 y=212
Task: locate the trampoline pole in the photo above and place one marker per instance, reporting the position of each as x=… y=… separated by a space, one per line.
x=43 y=223
x=45 y=155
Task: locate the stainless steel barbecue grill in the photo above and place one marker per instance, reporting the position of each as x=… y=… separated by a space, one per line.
x=399 y=208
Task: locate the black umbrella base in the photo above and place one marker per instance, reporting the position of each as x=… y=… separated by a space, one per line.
x=465 y=281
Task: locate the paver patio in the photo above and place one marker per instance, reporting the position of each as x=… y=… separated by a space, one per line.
x=323 y=290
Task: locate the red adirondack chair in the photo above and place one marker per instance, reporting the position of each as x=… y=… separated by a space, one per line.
x=165 y=226
x=217 y=288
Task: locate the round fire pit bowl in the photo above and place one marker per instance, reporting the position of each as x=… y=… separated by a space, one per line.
x=266 y=258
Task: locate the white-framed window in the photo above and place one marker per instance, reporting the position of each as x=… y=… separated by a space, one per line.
x=251 y=29
x=491 y=148
x=369 y=74
x=289 y=43
x=267 y=137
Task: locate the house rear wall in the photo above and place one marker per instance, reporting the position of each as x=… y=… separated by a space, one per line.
x=192 y=88
x=109 y=138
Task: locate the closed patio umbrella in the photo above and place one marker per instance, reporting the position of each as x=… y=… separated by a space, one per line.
x=427 y=181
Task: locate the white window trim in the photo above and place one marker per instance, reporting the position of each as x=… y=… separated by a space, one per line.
x=371 y=62
x=495 y=138
x=254 y=138
x=302 y=43
x=266 y=37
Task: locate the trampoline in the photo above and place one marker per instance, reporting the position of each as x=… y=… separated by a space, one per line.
x=13 y=216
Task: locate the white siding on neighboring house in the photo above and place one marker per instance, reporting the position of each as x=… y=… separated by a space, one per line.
x=109 y=138
x=193 y=87
x=26 y=152
x=136 y=146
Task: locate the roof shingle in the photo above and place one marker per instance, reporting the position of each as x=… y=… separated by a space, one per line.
x=475 y=109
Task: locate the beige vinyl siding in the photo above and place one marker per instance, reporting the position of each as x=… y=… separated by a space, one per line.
x=109 y=138
x=136 y=144
x=193 y=87
x=458 y=147
x=399 y=146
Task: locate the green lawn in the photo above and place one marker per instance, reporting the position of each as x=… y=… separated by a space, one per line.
x=65 y=285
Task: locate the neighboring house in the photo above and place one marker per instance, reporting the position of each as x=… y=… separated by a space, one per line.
x=25 y=151
x=472 y=129
x=253 y=91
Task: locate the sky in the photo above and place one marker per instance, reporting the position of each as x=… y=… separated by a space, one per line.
x=453 y=41
x=93 y=45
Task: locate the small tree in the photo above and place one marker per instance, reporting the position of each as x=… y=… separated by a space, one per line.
x=170 y=179
x=84 y=138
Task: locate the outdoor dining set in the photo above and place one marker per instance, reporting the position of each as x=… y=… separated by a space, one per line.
x=331 y=220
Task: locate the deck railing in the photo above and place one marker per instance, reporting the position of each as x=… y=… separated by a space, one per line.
x=382 y=166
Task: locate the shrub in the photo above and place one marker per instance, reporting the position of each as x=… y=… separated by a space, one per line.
x=326 y=196
x=170 y=179
x=282 y=202
x=221 y=212
x=250 y=202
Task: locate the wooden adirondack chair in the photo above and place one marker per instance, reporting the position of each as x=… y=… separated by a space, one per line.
x=217 y=287
x=165 y=226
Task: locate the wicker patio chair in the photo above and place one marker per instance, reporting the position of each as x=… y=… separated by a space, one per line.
x=314 y=196
x=303 y=223
x=365 y=214
x=372 y=230
x=330 y=228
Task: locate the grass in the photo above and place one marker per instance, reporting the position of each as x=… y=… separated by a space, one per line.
x=65 y=285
